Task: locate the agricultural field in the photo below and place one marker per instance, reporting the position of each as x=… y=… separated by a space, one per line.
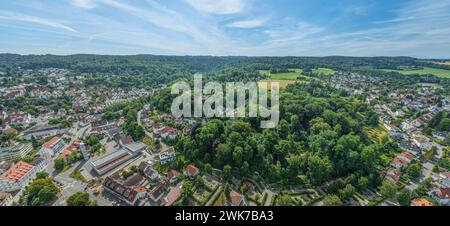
x=324 y=71
x=443 y=63
x=293 y=74
x=282 y=83
x=284 y=79
x=442 y=73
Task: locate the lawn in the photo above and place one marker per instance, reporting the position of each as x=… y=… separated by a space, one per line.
x=78 y=176
x=442 y=73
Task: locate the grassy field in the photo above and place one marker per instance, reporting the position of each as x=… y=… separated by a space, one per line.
x=442 y=73
x=284 y=79
x=324 y=71
x=293 y=74
x=283 y=83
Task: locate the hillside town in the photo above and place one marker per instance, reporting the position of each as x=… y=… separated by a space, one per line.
x=111 y=144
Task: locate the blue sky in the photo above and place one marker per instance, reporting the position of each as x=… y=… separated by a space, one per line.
x=419 y=28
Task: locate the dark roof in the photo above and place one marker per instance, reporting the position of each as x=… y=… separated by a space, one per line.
x=37 y=161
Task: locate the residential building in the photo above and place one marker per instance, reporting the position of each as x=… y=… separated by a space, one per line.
x=173 y=196
x=5 y=198
x=147 y=170
x=4 y=165
x=393 y=175
x=422 y=141
x=129 y=190
x=156 y=195
x=169 y=133
x=236 y=199
x=173 y=175
x=40 y=162
x=17 y=177
x=444 y=183
x=402 y=160
x=15 y=152
x=421 y=202
x=52 y=147
x=442 y=195
x=167 y=155
x=191 y=170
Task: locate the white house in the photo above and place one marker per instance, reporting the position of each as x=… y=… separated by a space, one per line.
x=52 y=147
x=167 y=155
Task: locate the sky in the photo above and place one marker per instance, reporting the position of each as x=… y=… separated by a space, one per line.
x=417 y=28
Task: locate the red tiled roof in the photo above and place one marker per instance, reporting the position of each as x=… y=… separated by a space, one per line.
x=158 y=126
x=192 y=170
x=407 y=155
x=399 y=161
x=169 y=129
x=446 y=174
x=421 y=202
x=173 y=173
x=393 y=174
x=236 y=198
x=173 y=196
x=52 y=142
x=169 y=150
x=68 y=152
x=17 y=171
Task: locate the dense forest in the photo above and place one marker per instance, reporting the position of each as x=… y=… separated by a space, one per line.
x=151 y=70
x=320 y=137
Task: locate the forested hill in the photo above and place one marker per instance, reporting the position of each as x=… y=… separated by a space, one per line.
x=152 y=70
x=116 y=64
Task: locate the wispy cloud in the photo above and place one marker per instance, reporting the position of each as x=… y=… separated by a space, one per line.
x=247 y=23
x=395 y=20
x=293 y=33
x=35 y=20
x=85 y=4
x=228 y=27
x=218 y=6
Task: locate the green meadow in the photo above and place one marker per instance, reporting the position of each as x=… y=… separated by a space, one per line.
x=442 y=73
x=286 y=78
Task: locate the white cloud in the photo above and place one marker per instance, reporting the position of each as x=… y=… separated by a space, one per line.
x=218 y=6
x=205 y=35
x=247 y=23
x=85 y=4
x=34 y=20
x=293 y=33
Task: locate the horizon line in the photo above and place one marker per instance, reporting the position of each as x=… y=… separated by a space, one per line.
x=249 y=56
